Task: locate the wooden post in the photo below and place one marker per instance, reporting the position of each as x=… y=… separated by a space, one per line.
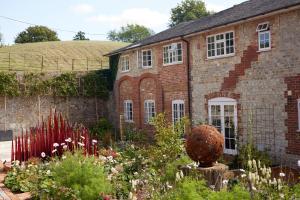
x=57 y=64
x=5 y=113
x=87 y=64
x=73 y=64
x=42 y=64
x=39 y=104
x=9 y=67
x=121 y=127
x=101 y=63
x=24 y=60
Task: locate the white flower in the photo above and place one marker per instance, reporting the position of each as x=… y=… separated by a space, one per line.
x=114 y=171
x=82 y=137
x=63 y=157
x=135 y=173
x=212 y=187
x=103 y=158
x=68 y=140
x=94 y=141
x=55 y=150
x=48 y=172
x=243 y=175
x=281 y=195
x=55 y=145
x=282 y=174
x=43 y=155
x=178 y=176
x=109 y=177
x=62 y=144
x=181 y=174
x=242 y=170
x=80 y=144
x=65 y=147
x=225 y=182
x=254 y=188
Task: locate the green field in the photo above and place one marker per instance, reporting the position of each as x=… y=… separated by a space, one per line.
x=57 y=56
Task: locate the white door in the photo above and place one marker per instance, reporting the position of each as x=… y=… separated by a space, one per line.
x=223 y=115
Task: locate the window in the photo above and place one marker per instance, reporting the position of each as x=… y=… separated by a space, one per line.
x=177 y=110
x=298 y=114
x=149 y=110
x=220 y=45
x=124 y=63
x=264 y=36
x=173 y=53
x=147 y=58
x=128 y=111
x=223 y=115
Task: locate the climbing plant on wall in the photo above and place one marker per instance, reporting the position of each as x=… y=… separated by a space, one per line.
x=95 y=84
x=8 y=84
x=35 y=84
x=64 y=85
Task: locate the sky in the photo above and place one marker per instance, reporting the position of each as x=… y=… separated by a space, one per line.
x=95 y=17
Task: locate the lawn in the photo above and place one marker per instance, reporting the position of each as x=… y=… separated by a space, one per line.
x=57 y=56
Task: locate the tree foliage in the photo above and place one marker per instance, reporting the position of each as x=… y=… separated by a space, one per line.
x=188 y=10
x=80 y=36
x=130 y=33
x=36 y=34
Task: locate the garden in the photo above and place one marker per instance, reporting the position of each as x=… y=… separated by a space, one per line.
x=58 y=160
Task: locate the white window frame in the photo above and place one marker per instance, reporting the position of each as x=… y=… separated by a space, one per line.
x=178 y=103
x=215 y=44
x=126 y=111
x=148 y=112
x=171 y=54
x=222 y=101
x=124 y=60
x=298 y=102
x=261 y=31
x=147 y=66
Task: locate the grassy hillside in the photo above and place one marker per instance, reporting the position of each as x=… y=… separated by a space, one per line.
x=61 y=55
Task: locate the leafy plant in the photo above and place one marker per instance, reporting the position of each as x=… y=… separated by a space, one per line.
x=95 y=85
x=35 y=85
x=249 y=152
x=64 y=85
x=82 y=174
x=8 y=84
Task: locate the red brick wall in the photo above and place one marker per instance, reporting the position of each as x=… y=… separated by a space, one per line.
x=170 y=83
x=292 y=136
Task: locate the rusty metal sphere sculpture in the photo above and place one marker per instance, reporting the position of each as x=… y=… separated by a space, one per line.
x=205 y=145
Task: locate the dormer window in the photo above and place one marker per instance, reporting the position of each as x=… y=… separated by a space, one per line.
x=264 y=36
x=124 y=62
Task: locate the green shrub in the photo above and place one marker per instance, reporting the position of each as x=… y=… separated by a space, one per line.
x=82 y=174
x=64 y=85
x=249 y=152
x=187 y=189
x=9 y=85
x=132 y=134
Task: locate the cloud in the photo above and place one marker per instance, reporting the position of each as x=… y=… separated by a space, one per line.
x=215 y=7
x=142 y=16
x=82 y=8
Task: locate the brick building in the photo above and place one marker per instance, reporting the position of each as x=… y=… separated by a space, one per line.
x=238 y=70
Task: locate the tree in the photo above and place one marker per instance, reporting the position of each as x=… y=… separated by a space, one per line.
x=1 y=38
x=80 y=36
x=36 y=34
x=130 y=33
x=188 y=10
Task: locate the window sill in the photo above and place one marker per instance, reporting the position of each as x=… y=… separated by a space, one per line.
x=219 y=57
x=175 y=63
x=129 y=121
x=147 y=67
x=125 y=71
x=263 y=50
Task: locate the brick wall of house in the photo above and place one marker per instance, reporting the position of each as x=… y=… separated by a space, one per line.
x=259 y=82
x=160 y=83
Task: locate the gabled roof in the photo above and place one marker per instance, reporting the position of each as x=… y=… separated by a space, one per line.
x=245 y=10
